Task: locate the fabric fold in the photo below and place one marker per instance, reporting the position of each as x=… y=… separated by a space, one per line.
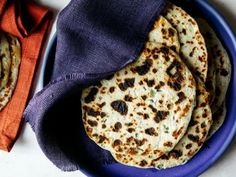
x=31 y=36
x=22 y=17
x=94 y=39
x=64 y=133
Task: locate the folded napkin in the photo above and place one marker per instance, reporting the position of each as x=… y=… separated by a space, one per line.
x=29 y=22
x=94 y=39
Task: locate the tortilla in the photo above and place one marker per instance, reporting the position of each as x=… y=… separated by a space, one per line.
x=192 y=45
x=137 y=113
x=0 y=69
x=195 y=136
x=164 y=33
x=5 y=59
x=211 y=78
x=218 y=119
x=222 y=64
x=15 y=54
x=211 y=74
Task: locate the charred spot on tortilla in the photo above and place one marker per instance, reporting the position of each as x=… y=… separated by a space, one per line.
x=92 y=123
x=143 y=163
x=144 y=97
x=128 y=98
x=223 y=72
x=175 y=154
x=150 y=83
x=152 y=108
x=171 y=32
x=140 y=142
x=168 y=144
x=151 y=131
x=193 y=138
x=174 y=69
x=181 y=96
x=117 y=142
x=101 y=105
x=160 y=115
x=120 y=106
x=143 y=69
x=129 y=82
x=117 y=126
x=188 y=146
x=90 y=97
x=112 y=89
x=101 y=139
x=91 y=111
x=175 y=85
x=130 y=130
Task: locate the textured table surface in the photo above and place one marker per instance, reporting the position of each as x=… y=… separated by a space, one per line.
x=27 y=160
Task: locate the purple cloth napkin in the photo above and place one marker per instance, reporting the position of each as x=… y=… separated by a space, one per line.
x=94 y=39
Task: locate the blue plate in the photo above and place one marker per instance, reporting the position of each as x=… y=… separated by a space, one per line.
x=215 y=147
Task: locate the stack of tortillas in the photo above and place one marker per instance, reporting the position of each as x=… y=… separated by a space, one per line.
x=159 y=110
x=10 y=57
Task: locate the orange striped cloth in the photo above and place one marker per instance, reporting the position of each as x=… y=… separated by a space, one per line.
x=30 y=23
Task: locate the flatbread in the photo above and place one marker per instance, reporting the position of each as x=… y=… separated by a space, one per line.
x=218 y=119
x=195 y=136
x=15 y=54
x=0 y=69
x=211 y=78
x=211 y=74
x=222 y=64
x=192 y=45
x=164 y=33
x=5 y=59
x=137 y=113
